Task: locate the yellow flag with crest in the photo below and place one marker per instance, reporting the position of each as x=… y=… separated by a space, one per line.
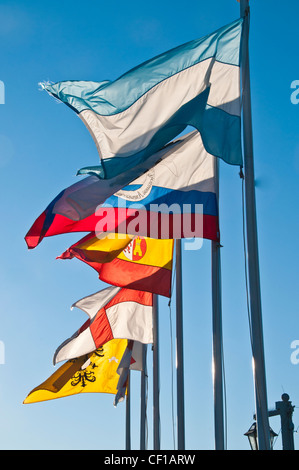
x=93 y=373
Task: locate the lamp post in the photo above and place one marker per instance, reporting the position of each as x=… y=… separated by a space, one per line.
x=252 y=437
x=285 y=410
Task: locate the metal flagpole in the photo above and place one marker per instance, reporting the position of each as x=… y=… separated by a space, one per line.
x=217 y=335
x=156 y=374
x=143 y=399
x=252 y=247
x=128 y=415
x=179 y=348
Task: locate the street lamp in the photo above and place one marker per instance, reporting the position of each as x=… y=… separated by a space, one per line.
x=252 y=437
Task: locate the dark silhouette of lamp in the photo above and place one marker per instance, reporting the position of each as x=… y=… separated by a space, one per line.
x=252 y=437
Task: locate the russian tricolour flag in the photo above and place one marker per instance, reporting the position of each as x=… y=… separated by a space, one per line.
x=174 y=199
x=133 y=117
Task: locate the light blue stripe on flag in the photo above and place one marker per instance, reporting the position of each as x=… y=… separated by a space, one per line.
x=160 y=197
x=197 y=84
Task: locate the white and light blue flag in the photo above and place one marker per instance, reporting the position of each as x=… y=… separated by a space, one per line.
x=196 y=84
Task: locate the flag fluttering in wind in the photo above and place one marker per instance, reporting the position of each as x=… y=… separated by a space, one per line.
x=97 y=372
x=131 y=118
x=95 y=249
x=174 y=199
x=144 y=264
x=114 y=313
x=67 y=214
x=131 y=360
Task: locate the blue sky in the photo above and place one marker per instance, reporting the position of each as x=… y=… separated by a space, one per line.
x=43 y=144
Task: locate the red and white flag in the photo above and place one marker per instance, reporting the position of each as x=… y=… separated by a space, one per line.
x=113 y=313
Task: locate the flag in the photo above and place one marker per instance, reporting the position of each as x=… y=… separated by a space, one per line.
x=93 y=373
x=114 y=313
x=64 y=214
x=131 y=118
x=100 y=248
x=128 y=362
x=175 y=199
x=144 y=264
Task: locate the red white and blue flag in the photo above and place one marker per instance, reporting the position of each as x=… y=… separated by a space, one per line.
x=176 y=198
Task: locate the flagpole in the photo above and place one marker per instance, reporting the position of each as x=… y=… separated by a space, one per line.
x=156 y=374
x=217 y=334
x=128 y=414
x=252 y=247
x=143 y=400
x=179 y=348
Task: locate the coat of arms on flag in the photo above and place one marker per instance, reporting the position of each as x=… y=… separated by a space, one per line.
x=136 y=249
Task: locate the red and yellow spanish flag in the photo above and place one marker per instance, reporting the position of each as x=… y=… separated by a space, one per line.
x=92 y=373
x=133 y=262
